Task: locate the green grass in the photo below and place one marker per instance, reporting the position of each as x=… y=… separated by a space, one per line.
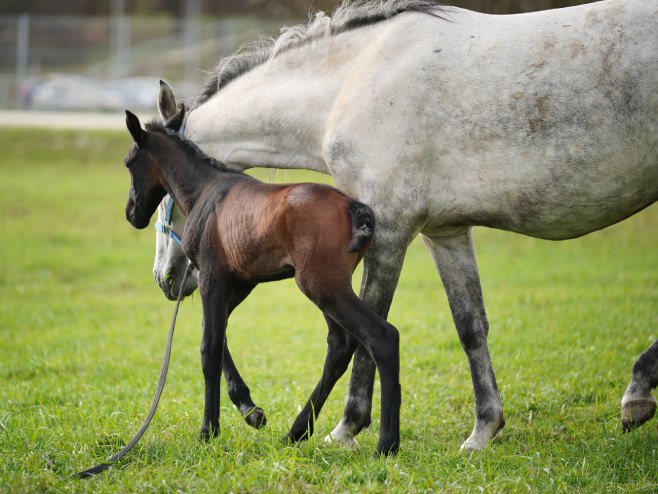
x=83 y=328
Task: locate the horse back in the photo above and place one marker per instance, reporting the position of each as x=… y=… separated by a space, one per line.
x=544 y=123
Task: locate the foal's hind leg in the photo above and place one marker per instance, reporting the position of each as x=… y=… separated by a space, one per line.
x=637 y=404
x=381 y=270
x=382 y=342
x=340 y=348
x=455 y=259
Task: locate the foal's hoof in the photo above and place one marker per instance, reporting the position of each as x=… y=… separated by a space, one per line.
x=388 y=450
x=636 y=412
x=206 y=435
x=292 y=438
x=256 y=418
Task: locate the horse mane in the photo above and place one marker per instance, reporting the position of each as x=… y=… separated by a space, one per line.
x=351 y=14
x=192 y=152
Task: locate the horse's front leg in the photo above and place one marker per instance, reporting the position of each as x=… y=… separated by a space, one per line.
x=238 y=391
x=637 y=404
x=214 y=296
x=455 y=259
x=381 y=272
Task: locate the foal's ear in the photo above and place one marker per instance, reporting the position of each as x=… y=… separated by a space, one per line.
x=135 y=128
x=175 y=122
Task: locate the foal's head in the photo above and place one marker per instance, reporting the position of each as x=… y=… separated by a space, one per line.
x=146 y=183
x=146 y=189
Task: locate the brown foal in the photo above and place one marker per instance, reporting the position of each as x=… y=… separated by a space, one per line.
x=240 y=232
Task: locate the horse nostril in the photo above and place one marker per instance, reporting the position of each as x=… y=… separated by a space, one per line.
x=169 y=277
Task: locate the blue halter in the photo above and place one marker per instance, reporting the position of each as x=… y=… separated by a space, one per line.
x=165 y=226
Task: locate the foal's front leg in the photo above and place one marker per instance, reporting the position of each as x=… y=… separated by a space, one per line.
x=238 y=391
x=214 y=296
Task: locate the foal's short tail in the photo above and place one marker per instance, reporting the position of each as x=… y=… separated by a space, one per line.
x=363 y=225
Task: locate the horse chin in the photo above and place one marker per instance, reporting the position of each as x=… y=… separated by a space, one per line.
x=171 y=287
x=172 y=292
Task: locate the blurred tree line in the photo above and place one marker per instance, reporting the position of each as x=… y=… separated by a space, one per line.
x=280 y=8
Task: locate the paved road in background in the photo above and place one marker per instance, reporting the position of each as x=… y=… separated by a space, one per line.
x=66 y=120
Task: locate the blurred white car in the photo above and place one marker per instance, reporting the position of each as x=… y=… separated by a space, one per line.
x=75 y=92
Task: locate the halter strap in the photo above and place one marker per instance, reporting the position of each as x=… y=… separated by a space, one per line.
x=165 y=226
x=183 y=125
x=90 y=472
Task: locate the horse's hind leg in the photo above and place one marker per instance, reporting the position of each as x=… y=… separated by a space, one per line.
x=381 y=270
x=637 y=404
x=238 y=391
x=340 y=348
x=455 y=259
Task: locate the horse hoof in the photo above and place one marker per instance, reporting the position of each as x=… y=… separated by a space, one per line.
x=636 y=412
x=341 y=434
x=471 y=444
x=475 y=444
x=482 y=435
x=296 y=437
x=256 y=418
x=206 y=435
x=290 y=439
x=388 y=450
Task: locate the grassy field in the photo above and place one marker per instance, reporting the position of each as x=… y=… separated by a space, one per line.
x=83 y=328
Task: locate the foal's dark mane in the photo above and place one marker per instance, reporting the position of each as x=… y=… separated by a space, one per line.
x=351 y=14
x=193 y=153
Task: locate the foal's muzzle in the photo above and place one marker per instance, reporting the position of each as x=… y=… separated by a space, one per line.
x=134 y=219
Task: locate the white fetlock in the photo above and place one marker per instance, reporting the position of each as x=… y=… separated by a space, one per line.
x=473 y=443
x=480 y=437
x=341 y=434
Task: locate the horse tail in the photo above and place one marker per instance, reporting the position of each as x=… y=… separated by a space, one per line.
x=363 y=225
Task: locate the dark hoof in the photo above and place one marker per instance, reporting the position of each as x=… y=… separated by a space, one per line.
x=634 y=413
x=206 y=435
x=256 y=418
x=292 y=438
x=389 y=450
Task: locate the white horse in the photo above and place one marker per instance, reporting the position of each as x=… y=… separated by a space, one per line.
x=440 y=119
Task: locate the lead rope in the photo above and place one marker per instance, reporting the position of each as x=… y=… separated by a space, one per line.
x=90 y=472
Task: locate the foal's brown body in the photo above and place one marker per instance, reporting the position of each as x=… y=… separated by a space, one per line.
x=240 y=232
x=255 y=225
